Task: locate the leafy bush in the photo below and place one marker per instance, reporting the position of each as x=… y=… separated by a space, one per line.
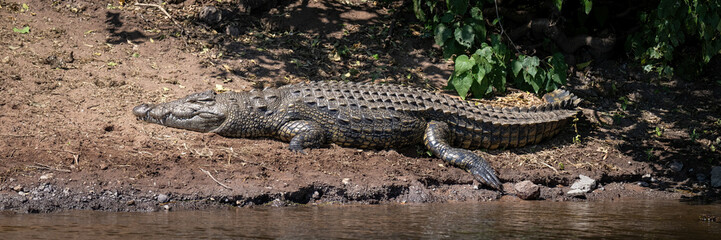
x=666 y=29
x=459 y=27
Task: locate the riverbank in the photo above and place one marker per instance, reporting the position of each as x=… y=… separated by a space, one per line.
x=71 y=142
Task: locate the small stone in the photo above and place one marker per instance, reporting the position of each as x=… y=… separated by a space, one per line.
x=130 y=203
x=576 y=193
x=642 y=184
x=210 y=15
x=582 y=186
x=47 y=176
x=166 y=207
x=18 y=188
x=232 y=31
x=716 y=176
x=316 y=195
x=346 y=181
x=527 y=190
x=676 y=166
x=277 y=203
x=163 y=198
x=103 y=166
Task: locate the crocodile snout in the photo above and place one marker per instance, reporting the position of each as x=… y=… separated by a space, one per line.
x=141 y=110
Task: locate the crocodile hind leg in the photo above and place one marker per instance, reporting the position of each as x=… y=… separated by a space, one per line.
x=302 y=134
x=435 y=139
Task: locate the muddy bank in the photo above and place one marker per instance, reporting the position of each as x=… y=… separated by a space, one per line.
x=71 y=142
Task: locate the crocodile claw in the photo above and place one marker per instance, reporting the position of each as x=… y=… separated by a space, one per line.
x=297 y=149
x=487 y=176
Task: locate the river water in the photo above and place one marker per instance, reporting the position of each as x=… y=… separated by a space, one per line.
x=555 y=220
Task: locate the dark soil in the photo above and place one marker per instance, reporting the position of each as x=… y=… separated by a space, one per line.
x=69 y=140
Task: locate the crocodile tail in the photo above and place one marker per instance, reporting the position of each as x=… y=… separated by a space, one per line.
x=562 y=98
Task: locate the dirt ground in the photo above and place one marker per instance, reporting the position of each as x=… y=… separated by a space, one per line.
x=69 y=140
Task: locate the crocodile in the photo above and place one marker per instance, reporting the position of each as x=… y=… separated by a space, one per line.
x=371 y=116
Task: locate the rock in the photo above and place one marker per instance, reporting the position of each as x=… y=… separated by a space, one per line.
x=346 y=181
x=46 y=176
x=210 y=15
x=676 y=166
x=277 y=203
x=18 y=188
x=163 y=198
x=232 y=31
x=716 y=176
x=527 y=190
x=316 y=195
x=643 y=184
x=582 y=186
x=166 y=207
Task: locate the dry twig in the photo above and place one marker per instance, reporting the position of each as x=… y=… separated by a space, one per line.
x=216 y=180
x=166 y=14
x=46 y=167
x=546 y=164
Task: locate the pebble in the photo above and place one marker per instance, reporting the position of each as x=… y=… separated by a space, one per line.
x=346 y=181
x=643 y=184
x=18 y=188
x=210 y=15
x=527 y=190
x=582 y=186
x=163 y=198
x=47 y=176
x=716 y=176
x=232 y=31
x=676 y=166
x=166 y=207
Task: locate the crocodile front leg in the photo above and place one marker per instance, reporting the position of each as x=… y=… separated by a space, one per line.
x=302 y=134
x=435 y=139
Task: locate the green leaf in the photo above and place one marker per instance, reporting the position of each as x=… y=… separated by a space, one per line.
x=463 y=64
x=464 y=35
x=560 y=69
x=517 y=65
x=447 y=17
x=477 y=14
x=23 y=30
x=420 y=15
x=458 y=7
x=530 y=65
x=442 y=34
x=587 y=6
x=480 y=87
x=462 y=83
x=499 y=76
x=559 y=4
x=450 y=47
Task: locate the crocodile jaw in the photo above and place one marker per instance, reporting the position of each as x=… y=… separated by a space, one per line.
x=197 y=112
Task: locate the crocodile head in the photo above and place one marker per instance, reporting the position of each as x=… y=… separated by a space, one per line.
x=197 y=112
